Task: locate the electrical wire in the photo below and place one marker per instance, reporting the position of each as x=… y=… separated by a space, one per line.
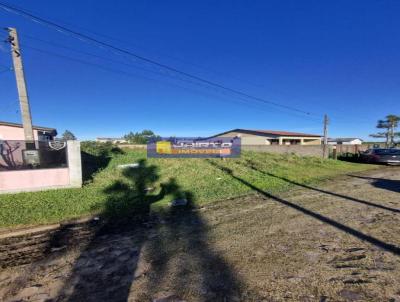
x=65 y=30
x=8 y=106
x=5 y=69
x=125 y=73
x=105 y=45
x=117 y=62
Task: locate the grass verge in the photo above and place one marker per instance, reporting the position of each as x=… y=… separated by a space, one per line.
x=205 y=182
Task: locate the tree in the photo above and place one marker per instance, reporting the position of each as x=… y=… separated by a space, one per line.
x=68 y=136
x=390 y=125
x=140 y=137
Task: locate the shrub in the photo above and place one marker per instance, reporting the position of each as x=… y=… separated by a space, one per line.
x=100 y=149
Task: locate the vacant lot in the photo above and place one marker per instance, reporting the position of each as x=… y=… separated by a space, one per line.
x=112 y=191
x=336 y=241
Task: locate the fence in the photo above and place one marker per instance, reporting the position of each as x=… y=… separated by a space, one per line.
x=20 y=155
x=39 y=165
x=312 y=150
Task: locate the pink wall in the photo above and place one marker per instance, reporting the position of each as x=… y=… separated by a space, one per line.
x=33 y=179
x=14 y=133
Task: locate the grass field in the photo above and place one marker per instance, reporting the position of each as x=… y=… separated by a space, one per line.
x=157 y=181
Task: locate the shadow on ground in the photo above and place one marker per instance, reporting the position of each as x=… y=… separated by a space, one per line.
x=175 y=246
x=252 y=166
x=91 y=164
x=381 y=183
x=364 y=237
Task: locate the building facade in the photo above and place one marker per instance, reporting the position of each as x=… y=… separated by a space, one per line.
x=15 y=131
x=272 y=137
x=345 y=141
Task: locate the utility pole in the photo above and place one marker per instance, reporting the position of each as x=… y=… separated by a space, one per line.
x=325 y=150
x=21 y=86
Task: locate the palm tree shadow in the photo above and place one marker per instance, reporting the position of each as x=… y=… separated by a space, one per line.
x=107 y=267
x=182 y=246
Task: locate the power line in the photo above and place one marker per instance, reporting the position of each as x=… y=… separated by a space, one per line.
x=105 y=58
x=5 y=69
x=117 y=62
x=8 y=106
x=113 y=38
x=101 y=44
x=121 y=72
x=129 y=43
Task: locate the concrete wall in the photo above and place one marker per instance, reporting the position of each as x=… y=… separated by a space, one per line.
x=302 y=150
x=74 y=163
x=350 y=148
x=44 y=179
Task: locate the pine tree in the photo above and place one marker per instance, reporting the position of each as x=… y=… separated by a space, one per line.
x=68 y=136
x=390 y=125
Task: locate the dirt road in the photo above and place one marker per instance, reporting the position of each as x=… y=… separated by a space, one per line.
x=338 y=241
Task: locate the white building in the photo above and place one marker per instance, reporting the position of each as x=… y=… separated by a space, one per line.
x=345 y=141
x=114 y=140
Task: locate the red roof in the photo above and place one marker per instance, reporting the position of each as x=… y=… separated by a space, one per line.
x=270 y=132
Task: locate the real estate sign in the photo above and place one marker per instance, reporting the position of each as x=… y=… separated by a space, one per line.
x=184 y=147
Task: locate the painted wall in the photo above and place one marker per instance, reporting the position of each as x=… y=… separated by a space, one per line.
x=14 y=133
x=32 y=180
x=44 y=179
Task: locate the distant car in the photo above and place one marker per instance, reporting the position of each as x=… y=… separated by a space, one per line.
x=382 y=156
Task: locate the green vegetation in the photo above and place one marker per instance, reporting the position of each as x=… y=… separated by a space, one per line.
x=389 y=125
x=140 y=137
x=204 y=180
x=68 y=135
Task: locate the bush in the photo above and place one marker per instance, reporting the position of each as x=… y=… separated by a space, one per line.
x=100 y=149
x=96 y=156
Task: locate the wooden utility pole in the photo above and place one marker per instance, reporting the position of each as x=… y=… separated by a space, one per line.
x=325 y=150
x=21 y=85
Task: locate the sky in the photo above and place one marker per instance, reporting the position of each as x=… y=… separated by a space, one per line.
x=339 y=58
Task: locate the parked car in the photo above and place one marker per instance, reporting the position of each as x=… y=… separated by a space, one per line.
x=382 y=156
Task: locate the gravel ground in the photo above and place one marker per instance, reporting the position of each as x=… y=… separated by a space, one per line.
x=338 y=241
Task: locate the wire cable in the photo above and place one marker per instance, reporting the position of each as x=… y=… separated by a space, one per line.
x=129 y=74
x=8 y=106
x=105 y=45
x=121 y=63
x=6 y=69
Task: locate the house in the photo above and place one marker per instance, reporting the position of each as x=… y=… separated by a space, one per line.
x=114 y=140
x=345 y=141
x=272 y=137
x=15 y=131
